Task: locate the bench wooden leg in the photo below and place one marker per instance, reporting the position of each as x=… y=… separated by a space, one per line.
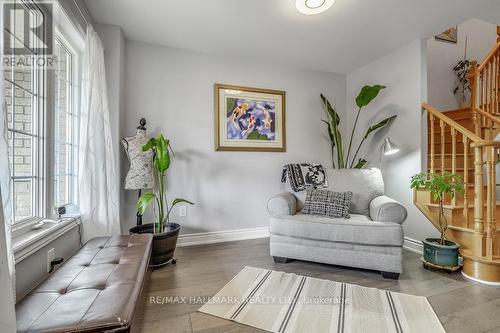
x=390 y=275
x=281 y=260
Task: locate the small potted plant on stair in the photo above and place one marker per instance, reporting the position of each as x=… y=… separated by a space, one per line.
x=440 y=252
x=165 y=232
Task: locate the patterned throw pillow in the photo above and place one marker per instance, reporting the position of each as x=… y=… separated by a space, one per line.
x=327 y=203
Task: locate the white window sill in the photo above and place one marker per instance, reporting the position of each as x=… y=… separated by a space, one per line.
x=30 y=237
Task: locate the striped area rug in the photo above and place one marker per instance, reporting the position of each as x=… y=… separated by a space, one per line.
x=284 y=302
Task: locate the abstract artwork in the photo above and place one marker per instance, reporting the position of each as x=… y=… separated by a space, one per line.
x=450 y=35
x=249 y=119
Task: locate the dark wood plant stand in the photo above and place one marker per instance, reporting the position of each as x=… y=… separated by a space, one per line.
x=164 y=243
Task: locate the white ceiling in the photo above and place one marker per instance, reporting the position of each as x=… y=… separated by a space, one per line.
x=347 y=36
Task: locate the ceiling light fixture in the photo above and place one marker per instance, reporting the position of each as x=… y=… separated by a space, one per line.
x=311 y=7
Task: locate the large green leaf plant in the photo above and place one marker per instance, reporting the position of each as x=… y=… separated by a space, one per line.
x=439 y=184
x=161 y=162
x=339 y=159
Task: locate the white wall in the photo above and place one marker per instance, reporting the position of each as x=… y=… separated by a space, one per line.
x=113 y=42
x=443 y=56
x=173 y=90
x=403 y=72
x=7 y=315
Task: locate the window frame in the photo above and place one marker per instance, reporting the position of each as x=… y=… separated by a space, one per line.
x=44 y=125
x=76 y=55
x=38 y=115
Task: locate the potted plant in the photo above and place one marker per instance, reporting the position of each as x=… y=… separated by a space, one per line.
x=365 y=96
x=463 y=89
x=165 y=232
x=440 y=251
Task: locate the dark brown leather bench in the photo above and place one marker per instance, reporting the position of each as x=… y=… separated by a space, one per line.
x=101 y=288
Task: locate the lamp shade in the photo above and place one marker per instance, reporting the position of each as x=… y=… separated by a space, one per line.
x=389 y=147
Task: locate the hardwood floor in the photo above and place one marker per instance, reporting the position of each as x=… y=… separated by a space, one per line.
x=201 y=271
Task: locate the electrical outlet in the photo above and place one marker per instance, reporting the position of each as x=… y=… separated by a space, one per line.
x=50 y=256
x=183 y=210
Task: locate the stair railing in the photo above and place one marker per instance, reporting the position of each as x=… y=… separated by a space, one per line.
x=485 y=156
x=484 y=81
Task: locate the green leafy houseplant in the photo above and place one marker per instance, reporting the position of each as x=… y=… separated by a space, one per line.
x=365 y=96
x=461 y=70
x=439 y=185
x=161 y=162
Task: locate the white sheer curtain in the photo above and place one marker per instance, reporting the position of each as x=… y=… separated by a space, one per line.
x=7 y=273
x=98 y=186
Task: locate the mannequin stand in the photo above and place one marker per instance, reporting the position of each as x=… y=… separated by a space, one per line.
x=139 y=216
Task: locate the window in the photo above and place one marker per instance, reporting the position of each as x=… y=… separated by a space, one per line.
x=65 y=126
x=24 y=114
x=42 y=112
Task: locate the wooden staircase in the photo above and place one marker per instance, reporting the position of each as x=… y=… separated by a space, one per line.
x=463 y=142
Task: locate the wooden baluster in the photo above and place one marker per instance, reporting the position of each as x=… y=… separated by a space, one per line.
x=431 y=120
x=474 y=84
x=489 y=97
x=496 y=90
x=495 y=85
x=493 y=227
x=482 y=103
x=478 y=237
x=485 y=95
x=466 y=180
x=454 y=158
x=487 y=89
x=490 y=200
x=443 y=127
x=492 y=94
x=492 y=90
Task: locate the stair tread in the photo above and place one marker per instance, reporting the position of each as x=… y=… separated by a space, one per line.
x=471 y=205
x=438 y=167
x=450 y=154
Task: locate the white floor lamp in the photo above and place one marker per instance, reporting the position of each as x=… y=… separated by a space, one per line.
x=387 y=148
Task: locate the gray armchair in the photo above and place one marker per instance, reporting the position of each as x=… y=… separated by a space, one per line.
x=372 y=238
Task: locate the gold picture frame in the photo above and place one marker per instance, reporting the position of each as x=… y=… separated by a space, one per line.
x=249 y=119
x=450 y=35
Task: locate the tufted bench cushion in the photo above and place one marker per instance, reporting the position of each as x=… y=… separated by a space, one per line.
x=99 y=289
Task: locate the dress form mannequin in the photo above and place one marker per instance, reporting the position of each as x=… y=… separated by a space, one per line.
x=140 y=174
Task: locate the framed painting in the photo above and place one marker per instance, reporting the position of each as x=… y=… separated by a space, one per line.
x=249 y=119
x=450 y=35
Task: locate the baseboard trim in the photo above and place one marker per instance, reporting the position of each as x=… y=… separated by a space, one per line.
x=222 y=236
x=470 y=278
x=413 y=245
